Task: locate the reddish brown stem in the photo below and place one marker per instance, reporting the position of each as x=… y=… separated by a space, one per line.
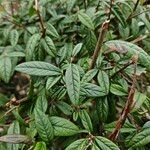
x=128 y=106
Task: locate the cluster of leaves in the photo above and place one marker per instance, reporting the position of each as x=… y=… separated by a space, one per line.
x=66 y=105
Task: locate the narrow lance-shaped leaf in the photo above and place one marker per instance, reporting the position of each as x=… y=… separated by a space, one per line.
x=41 y=102
x=51 y=81
x=31 y=45
x=40 y=146
x=51 y=30
x=77 y=49
x=13 y=129
x=78 y=145
x=103 y=81
x=38 y=68
x=43 y=125
x=48 y=46
x=14 y=36
x=102 y=108
x=86 y=20
x=15 y=139
x=104 y=143
x=91 y=90
x=86 y=120
x=72 y=78
x=140 y=139
x=89 y=75
x=5 y=68
x=63 y=127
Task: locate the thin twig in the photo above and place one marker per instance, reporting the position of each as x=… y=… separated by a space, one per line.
x=134 y=9
x=110 y=9
x=99 y=43
x=139 y=39
x=121 y=69
x=40 y=17
x=85 y=4
x=128 y=106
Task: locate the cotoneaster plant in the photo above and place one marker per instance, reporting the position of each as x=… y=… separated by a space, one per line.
x=74 y=75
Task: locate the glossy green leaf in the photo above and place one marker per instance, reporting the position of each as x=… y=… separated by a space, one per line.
x=72 y=78
x=102 y=108
x=41 y=102
x=38 y=68
x=5 y=68
x=127 y=127
x=64 y=107
x=91 y=90
x=14 y=36
x=104 y=143
x=51 y=30
x=103 y=81
x=49 y=46
x=40 y=146
x=13 y=129
x=63 y=127
x=89 y=75
x=118 y=90
x=16 y=54
x=31 y=46
x=86 y=121
x=77 y=49
x=140 y=139
x=86 y=20
x=78 y=145
x=51 y=81
x=43 y=125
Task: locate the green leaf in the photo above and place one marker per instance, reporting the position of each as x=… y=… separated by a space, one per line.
x=38 y=68
x=86 y=121
x=134 y=27
x=14 y=36
x=130 y=50
x=86 y=20
x=103 y=81
x=41 y=102
x=117 y=89
x=89 y=75
x=94 y=147
x=13 y=129
x=105 y=144
x=51 y=81
x=64 y=107
x=40 y=146
x=15 y=139
x=140 y=139
x=43 y=125
x=127 y=127
x=91 y=90
x=48 y=46
x=51 y=30
x=31 y=45
x=119 y=15
x=72 y=78
x=63 y=127
x=139 y=100
x=102 y=108
x=77 y=49
x=5 y=68
x=78 y=145
x=16 y=54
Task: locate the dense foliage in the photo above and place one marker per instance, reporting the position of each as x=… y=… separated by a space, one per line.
x=74 y=75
